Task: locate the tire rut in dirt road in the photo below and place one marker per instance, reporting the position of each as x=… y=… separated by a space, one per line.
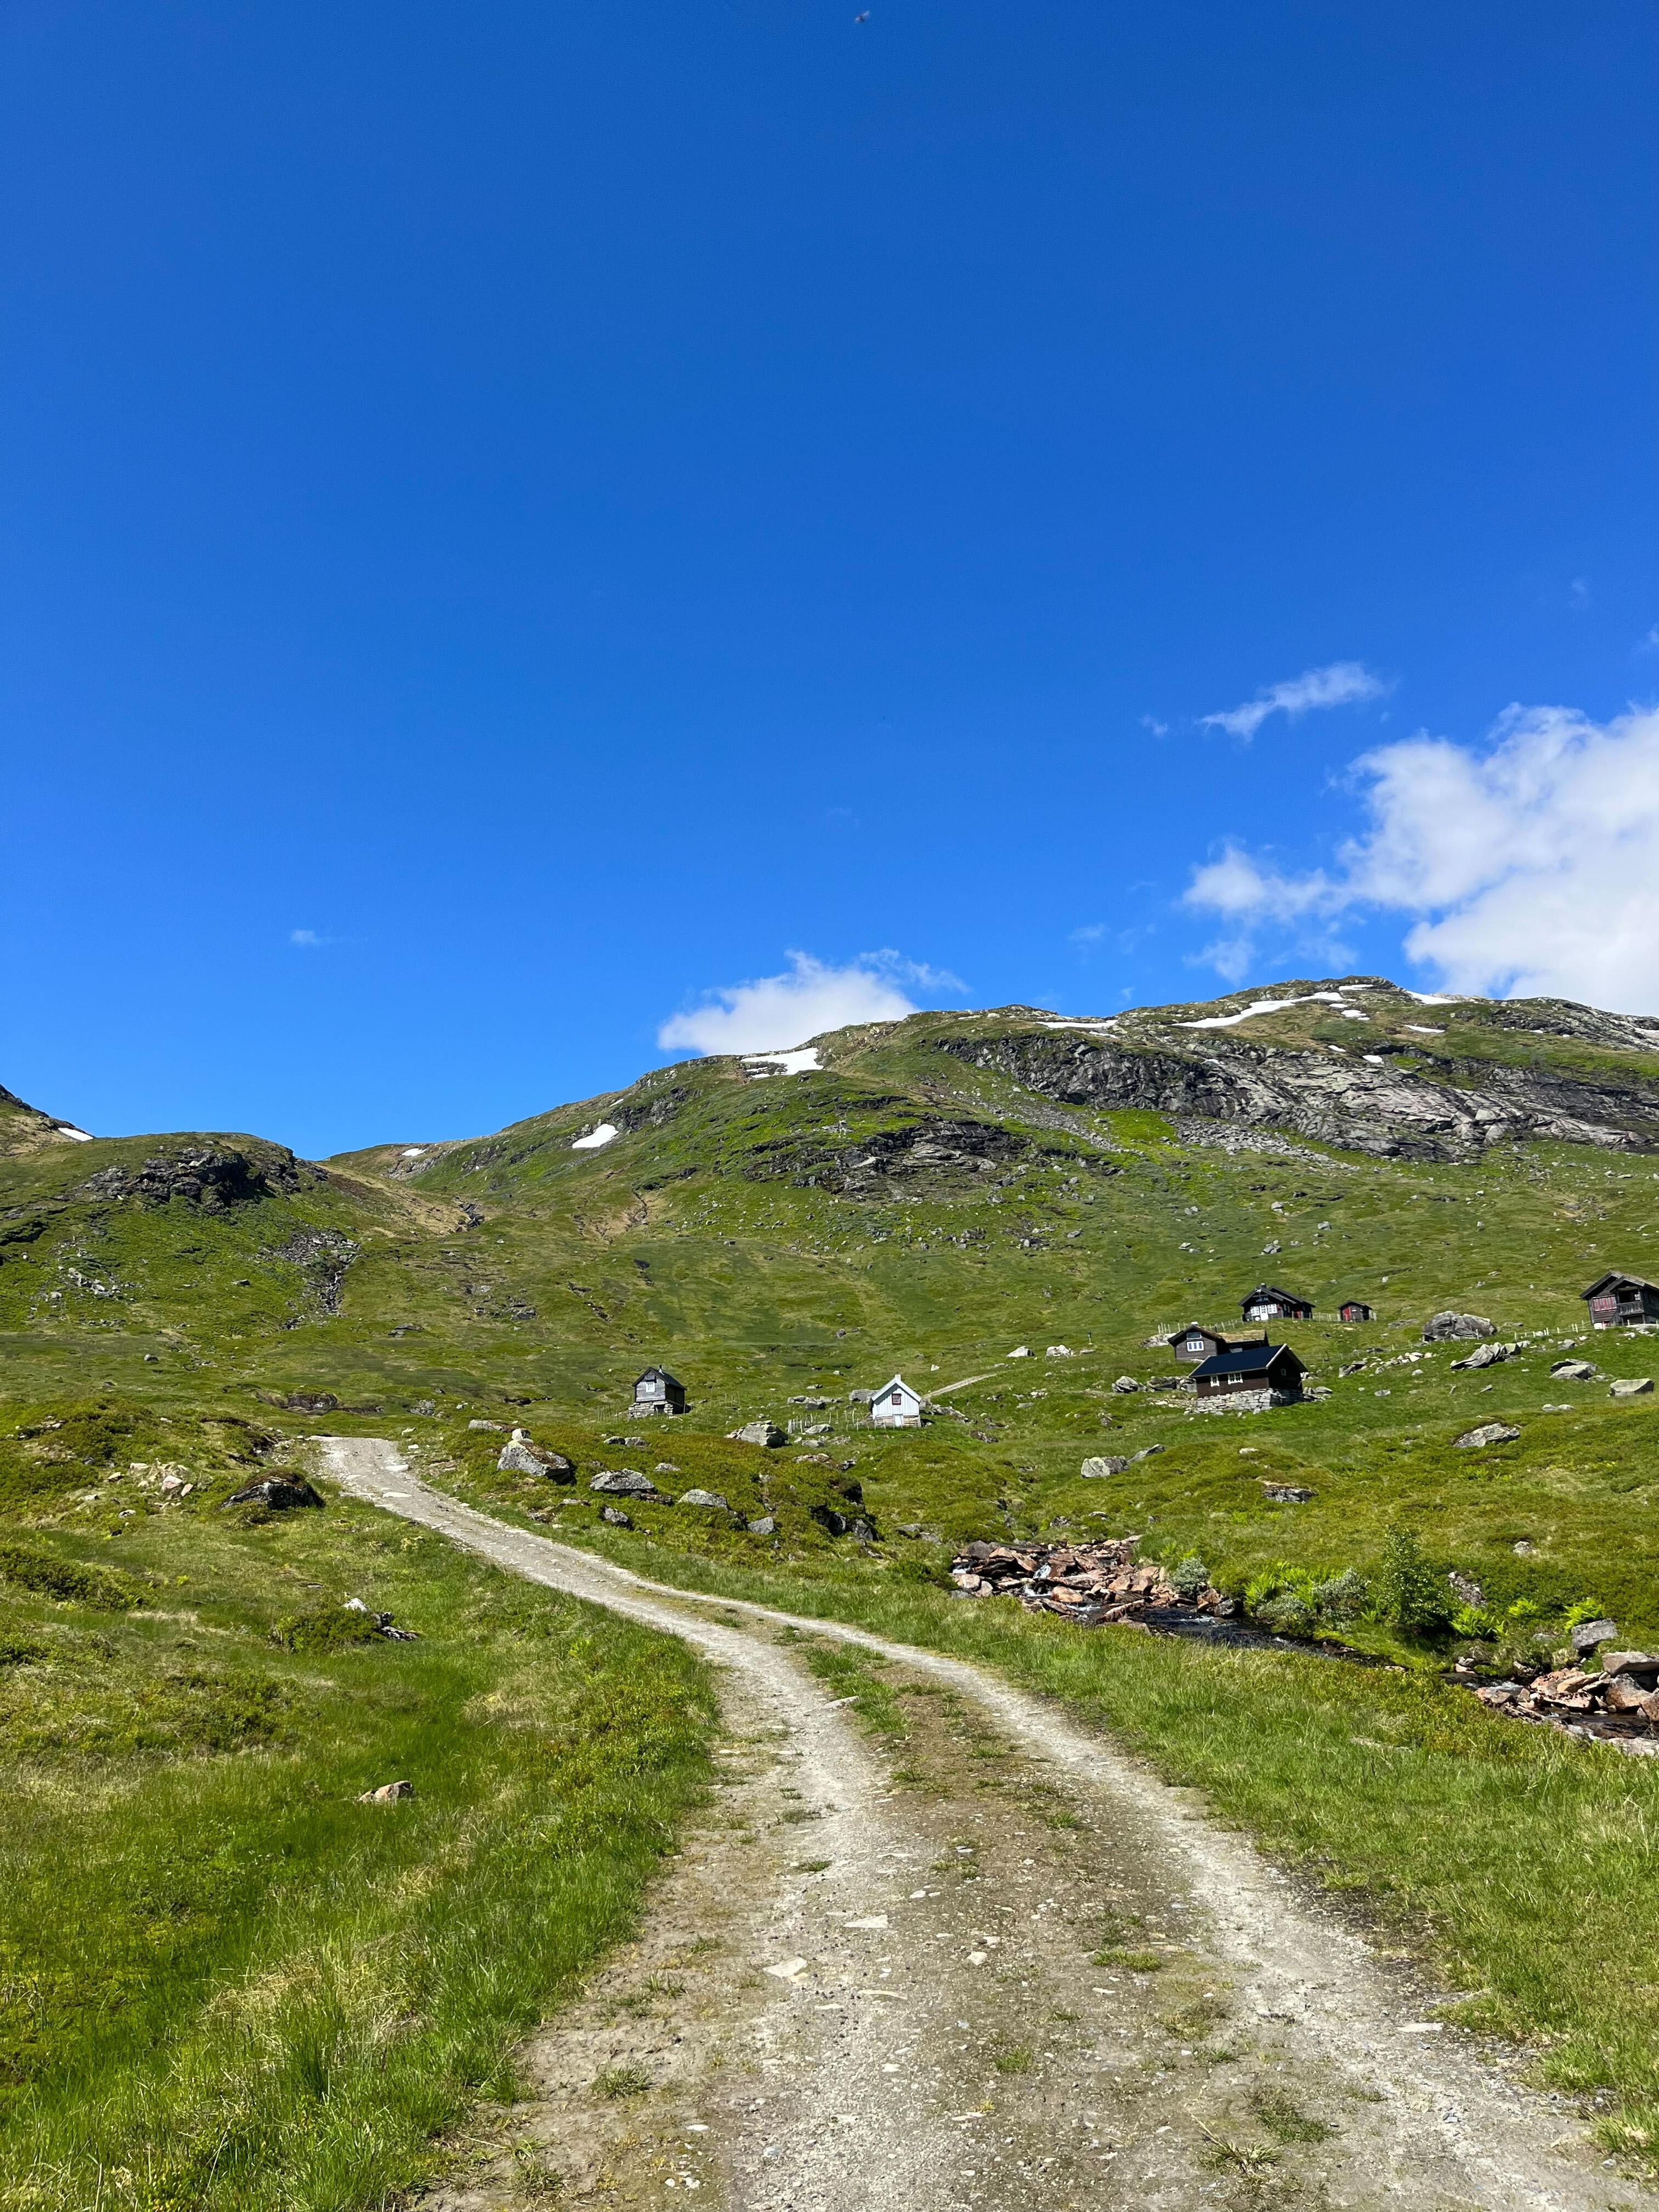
x=1016 y=1969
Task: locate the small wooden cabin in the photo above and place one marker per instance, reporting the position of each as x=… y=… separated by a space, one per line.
x=1250 y=1367
x=1616 y=1301
x=1196 y=1341
x=896 y=1406
x=1266 y=1303
x=657 y=1391
x=1352 y=1309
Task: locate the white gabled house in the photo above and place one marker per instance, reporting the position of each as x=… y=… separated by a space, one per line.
x=898 y=1407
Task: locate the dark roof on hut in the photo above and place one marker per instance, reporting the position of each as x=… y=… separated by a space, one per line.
x=1601 y=1283
x=656 y=1375
x=1272 y=1290
x=1248 y=1360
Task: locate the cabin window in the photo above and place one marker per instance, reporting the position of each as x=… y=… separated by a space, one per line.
x=896 y=1399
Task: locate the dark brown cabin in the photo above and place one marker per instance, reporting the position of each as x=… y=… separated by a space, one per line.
x=1354 y=1310
x=1251 y=1367
x=1195 y=1341
x=657 y=1391
x=1617 y=1301
x=1266 y=1303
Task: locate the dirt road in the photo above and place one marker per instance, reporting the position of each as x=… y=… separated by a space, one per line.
x=978 y=1961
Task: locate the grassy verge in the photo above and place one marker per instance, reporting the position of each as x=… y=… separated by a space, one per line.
x=223 y=1981
x=1514 y=1865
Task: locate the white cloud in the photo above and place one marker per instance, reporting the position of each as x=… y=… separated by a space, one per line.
x=1530 y=865
x=775 y=1012
x=1343 y=683
x=307 y=938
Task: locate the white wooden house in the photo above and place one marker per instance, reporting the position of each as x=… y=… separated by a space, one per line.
x=898 y=1407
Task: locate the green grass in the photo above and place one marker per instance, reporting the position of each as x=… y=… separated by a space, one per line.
x=224 y=1982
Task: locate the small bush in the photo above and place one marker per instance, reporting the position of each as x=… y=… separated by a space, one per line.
x=1409 y=1594
x=326 y=1628
x=1191 y=1578
x=1344 y=1597
x=21 y=1652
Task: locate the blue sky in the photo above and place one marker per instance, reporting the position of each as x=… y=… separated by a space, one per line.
x=516 y=522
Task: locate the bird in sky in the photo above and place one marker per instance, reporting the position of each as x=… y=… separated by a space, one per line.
x=864 y=18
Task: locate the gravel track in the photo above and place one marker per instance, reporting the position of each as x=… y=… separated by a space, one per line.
x=971 y=2047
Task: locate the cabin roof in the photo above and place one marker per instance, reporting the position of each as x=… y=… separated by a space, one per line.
x=1601 y=1283
x=657 y=1375
x=1272 y=1290
x=1247 y=1360
x=898 y=1382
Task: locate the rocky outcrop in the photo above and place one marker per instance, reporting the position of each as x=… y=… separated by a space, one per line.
x=212 y=1177
x=1392 y=1109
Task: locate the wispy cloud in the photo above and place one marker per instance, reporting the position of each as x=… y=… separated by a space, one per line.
x=1527 y=865
x=1090 y=934
x=308 y=939
x=1343 y=683
x=774 y=1012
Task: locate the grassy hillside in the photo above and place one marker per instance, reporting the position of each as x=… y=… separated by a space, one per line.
x=223 y=1980
x=939 y=1192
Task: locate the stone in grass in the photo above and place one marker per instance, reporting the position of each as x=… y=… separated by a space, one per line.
x=387 y=1794
x=1093 y=1469
x=766 y=1526
x=616 y=1517
x=278 y=1493
x=623 y=1482
x=1573 y=1370
x=1287 y=1493
x=1632 y=1386
x=1125 y=1383
x=1489 y=1432
x=1448 y=1328
x=520 y=1455
x=1589 y=1633
x=704 y=1497
x=759 y=1432
x=1486 y=1355
x=498 y=1426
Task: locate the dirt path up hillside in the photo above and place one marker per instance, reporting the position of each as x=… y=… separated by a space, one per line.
x=997 y=1968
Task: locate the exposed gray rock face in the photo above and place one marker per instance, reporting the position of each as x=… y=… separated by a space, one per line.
x=1431 y=1110
x=1634 y=1386
x=1589 y=1633
x=616 y=1517
x=1573 y=1370
x=1489 y=1432
x=213 y=1177
x=765 y=1526
x=704 y=1497
x=1451 y=1328
x=1093 y=1469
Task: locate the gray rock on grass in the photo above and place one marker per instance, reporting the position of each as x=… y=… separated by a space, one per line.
x=277 y=1494
x=765 y=1526
x=1574 y=1370
x=1589 y=1633
x=1632 y=1386
x=767 y=1433
x=521 y=1454
x=1489 y=1432
x=616 y=1517
x=623 y=1482
x=1093 y=1469
x=704 y=1497
x=1488 y=1355
x=1449 y=1327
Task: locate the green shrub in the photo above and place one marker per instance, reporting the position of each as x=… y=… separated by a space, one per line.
x=1409 y=1594
x=326 y=1628
x=99 y=1588
x=1191 y=1578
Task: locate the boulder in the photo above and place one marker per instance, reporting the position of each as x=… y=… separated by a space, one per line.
x=1589 y=1633
x=500 y=1428
x=387 y=1794
x=1632 y=1386
x=1623 y=1696
x=1573 y=1370
x=616 y=1517
x=759 y=1432
x=1285 y=1494
x=521 y=1455
x=704 y=1497
x=1020 y=1351
x=1488 y=1356
x=1092 y=1469
x=1125 y=1383
x=1489 y=1432
x=765 y=1526
x=623 y=1482
x=1448 y=1328
x=281 y=1494
x=1643 y=1664
x=1059 y=1351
